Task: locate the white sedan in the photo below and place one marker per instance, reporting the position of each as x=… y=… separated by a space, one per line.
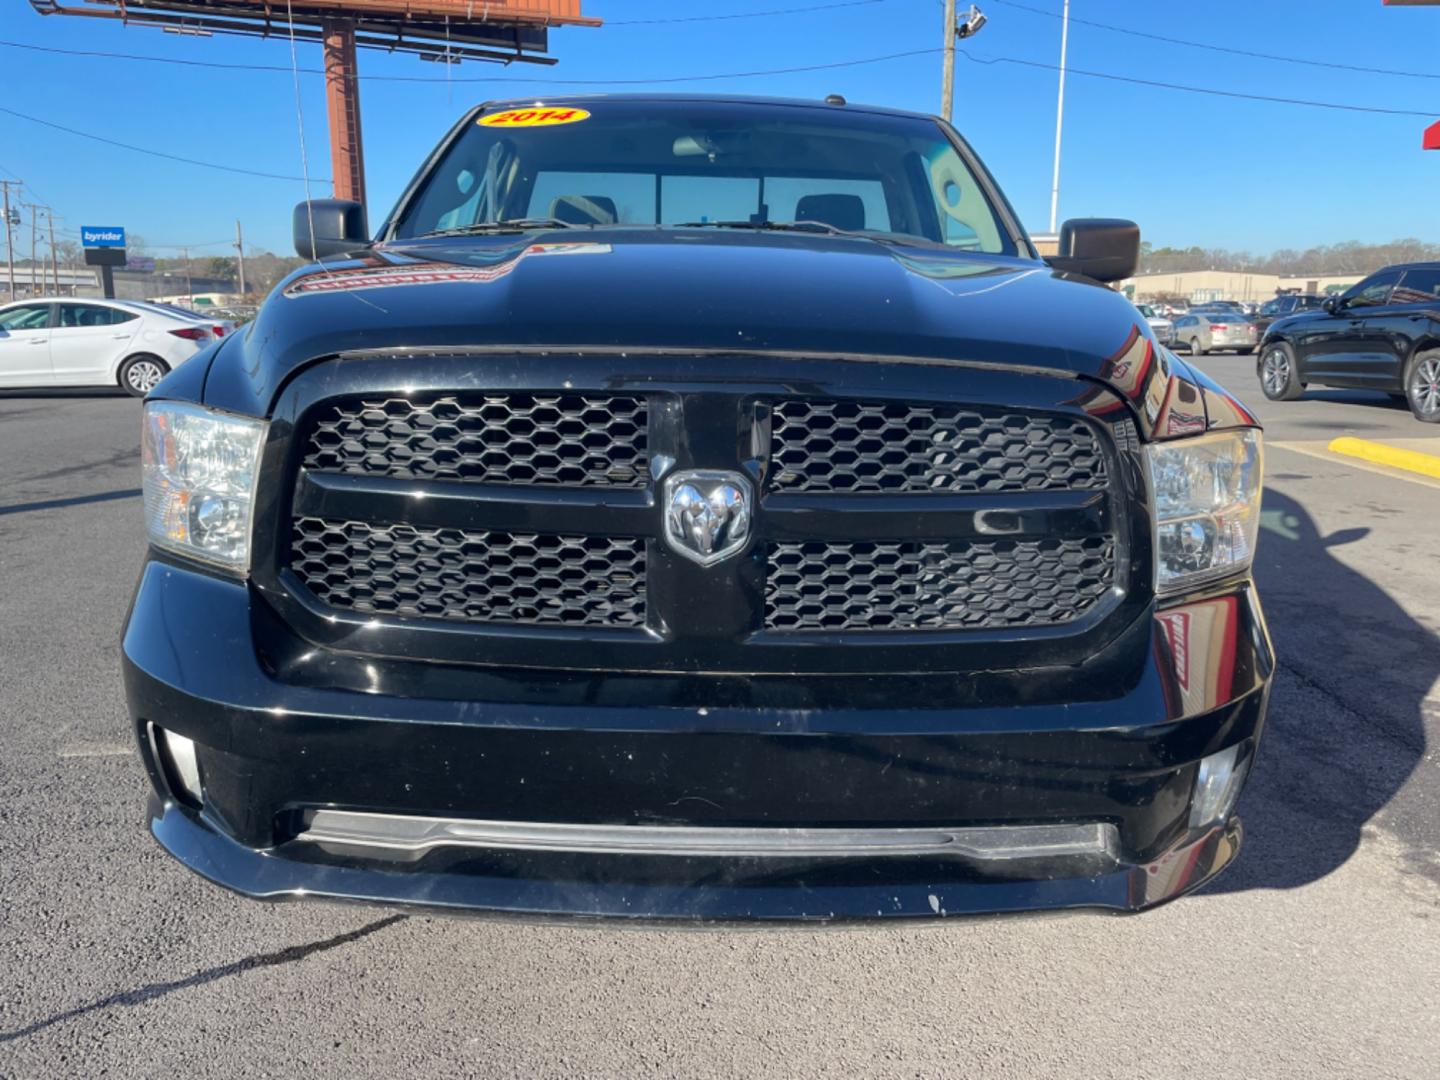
x=63 y=342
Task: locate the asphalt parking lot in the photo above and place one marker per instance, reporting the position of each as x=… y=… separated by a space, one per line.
x=1316 y=955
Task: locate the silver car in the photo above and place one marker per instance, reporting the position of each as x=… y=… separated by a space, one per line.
x=1160 y=326
x=1199 y=334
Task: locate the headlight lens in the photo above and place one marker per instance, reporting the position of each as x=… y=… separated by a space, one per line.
x=1207 y=506
x=199 y=480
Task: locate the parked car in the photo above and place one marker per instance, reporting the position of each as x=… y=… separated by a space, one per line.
x=1172 y=309
x=67 y=342
x=217 y=321
x=646 y=546
x=1161 y=327
x=1218 y=307
x=1282 y=306
x=1381 y=334
x=1211 y=331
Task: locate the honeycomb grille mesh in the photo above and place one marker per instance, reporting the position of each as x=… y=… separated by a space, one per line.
x=567 y=439
x=957 y=585
x=492 y=577
x=896 y=446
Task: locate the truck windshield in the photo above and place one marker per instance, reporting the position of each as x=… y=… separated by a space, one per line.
x=658 y=163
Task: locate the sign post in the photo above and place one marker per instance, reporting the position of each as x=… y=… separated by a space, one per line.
x=104 y=247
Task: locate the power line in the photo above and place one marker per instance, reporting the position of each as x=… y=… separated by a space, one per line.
x=1219 y=48
x=142 y=149
x=721 y=75
x=176 y=60
x=743 y=14
x=472 y=79
x=181 y=247
x=1198 y=89
x=662 y=80
x=15 y=177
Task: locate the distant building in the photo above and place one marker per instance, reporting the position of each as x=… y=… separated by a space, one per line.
x=41 y=282
x=1198 y=286
x=129 y=284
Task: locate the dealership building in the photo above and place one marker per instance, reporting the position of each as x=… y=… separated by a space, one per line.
x=1199 y=286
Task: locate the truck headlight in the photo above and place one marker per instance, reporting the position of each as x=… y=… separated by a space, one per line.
x=1207 y=506
x=199 y=481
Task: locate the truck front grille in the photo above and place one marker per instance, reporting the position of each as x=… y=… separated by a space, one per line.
x=942 y=586
x=568 y=440
x=472 y=576
x=877 y=446
x=886 y=530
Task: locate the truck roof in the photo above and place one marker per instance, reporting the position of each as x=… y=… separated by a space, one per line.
x=583 y=99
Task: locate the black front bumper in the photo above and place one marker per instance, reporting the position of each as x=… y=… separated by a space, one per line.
x=994 y=749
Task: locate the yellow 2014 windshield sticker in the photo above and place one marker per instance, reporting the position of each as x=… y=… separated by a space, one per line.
x=536 y=117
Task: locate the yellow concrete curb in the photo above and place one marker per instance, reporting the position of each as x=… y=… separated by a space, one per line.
x=1393 y=456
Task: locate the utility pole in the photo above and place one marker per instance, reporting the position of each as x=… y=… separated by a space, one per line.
x=9 y=236
x=34 y=217
x=954 y=29
x=240 y=251
x=947 y=80
x=54 y=259
x=1059 y=117
x=189 y=288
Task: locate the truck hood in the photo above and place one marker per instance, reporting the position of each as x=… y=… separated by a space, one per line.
x=689 y=289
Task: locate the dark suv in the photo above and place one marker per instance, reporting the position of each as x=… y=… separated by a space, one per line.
x=699 y=509
x=1382 y=334
x=1281 y=306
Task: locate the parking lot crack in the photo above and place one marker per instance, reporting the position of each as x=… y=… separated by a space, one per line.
x=1415 y=743
x=152 y=991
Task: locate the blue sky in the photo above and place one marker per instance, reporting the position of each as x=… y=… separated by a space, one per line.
x=1192 y=169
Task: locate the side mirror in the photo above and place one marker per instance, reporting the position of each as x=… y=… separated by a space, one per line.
x=1333 y=304
x=1105 y=249
x=329 y=227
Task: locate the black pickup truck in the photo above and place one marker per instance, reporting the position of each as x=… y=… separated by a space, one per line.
x=699 y=509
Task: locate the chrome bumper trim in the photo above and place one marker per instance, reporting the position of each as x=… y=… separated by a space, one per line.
x=407 y=837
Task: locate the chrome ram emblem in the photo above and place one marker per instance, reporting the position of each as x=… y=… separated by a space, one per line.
x=707 y=514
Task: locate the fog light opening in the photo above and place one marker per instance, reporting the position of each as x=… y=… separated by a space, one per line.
x=1217 y=784
x=180 y=765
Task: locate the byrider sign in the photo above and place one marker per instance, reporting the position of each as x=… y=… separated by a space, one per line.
x=104 y=246
x=102 y=236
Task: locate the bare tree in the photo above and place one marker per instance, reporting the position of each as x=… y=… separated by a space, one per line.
x=1349 y=257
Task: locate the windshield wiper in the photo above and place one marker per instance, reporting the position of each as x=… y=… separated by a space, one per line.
x=823 y=228
x=773 y=226
x=503 y=226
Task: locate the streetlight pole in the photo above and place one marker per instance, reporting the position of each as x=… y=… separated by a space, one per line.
x=1059 y=117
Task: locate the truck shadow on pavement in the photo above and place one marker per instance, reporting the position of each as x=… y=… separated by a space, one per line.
x=1345 y=728
x=150 y=991
x=1377 y=398
x=73 y=500
x=63 y=392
